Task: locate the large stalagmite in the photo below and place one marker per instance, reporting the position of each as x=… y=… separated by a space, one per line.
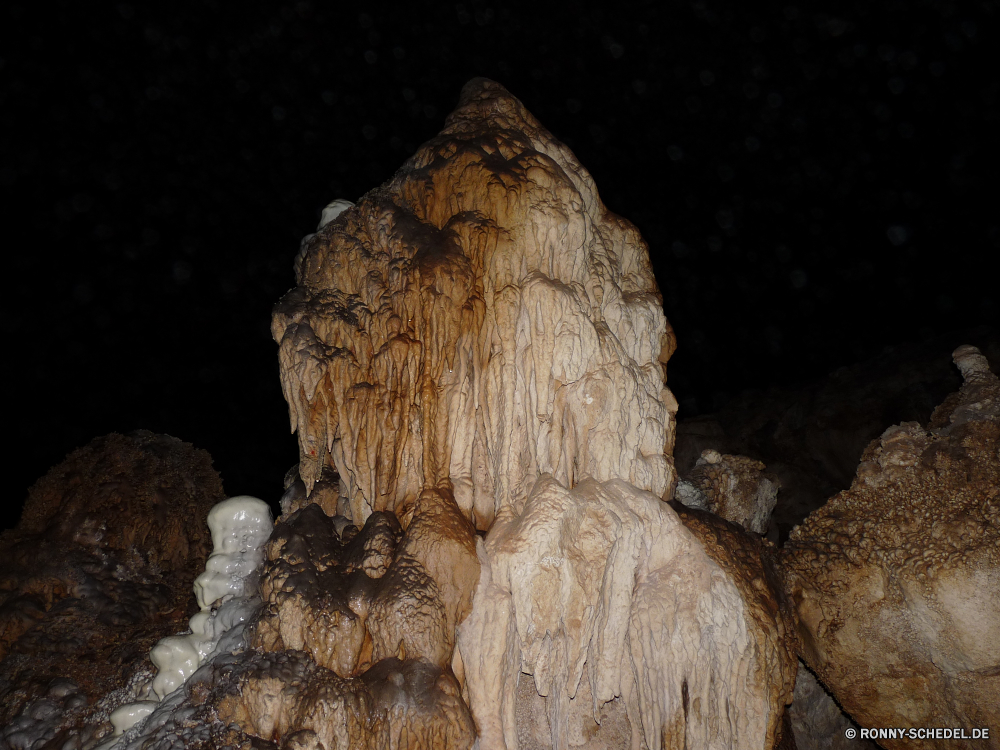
x=479 y=320
x=478 y=346
x=480 y=340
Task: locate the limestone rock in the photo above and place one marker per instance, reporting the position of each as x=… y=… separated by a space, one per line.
x=732 y=487
x=897 y=580
x=358 y=629
x=97 y=571
x=480 y=319
x=317 y=587
x=680 y=620
x=325 y=493
x=427 y=591
x=353 y=598
x=817 y=721
x=409 y=705
x=812 y=436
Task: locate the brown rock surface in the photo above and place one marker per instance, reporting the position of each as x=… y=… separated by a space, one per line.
x=677 y=617
x=409 y=705
x=735 y=488
x=427 y=591
x=353 y=598
x=97 y=571
x=317 y=586
x=480 y=319
x=811 y=437
x=897 y=580
x=479 y=344
x=339 y=606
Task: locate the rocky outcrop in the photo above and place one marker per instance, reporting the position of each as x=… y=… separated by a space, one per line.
x=811 y=437
x=317 y=586
x=678 y=622
x=353 y=598
x=480 y=319
x=735 y=488
x=98 y=570
x=479 y=344
x=897 y=580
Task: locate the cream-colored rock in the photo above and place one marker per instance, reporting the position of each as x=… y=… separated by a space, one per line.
x=897 y=580
x=606 y=581
x=332 y=210
x=480 y=319
x=240 y=526
x=125 y=717
x=733 y=487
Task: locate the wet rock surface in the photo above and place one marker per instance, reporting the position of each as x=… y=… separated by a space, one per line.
x=354 y=642
x=410 y=705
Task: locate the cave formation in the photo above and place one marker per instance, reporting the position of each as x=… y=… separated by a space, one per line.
x=486 y=539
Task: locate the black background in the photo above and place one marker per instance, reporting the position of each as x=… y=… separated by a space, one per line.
x=816 y=182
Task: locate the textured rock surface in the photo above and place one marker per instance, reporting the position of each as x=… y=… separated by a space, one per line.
x=410 y=705
x=325 y=493
x=357 y=630
x=817 y=721
x=353 y=598
x=98 y=570
x=812 y=437
x=479 y=344
x=480 y=319
x=897 y=580
x=732 y=487
x=606 y=583
x=317 y=587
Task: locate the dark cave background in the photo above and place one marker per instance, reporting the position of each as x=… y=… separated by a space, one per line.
x=816 y=183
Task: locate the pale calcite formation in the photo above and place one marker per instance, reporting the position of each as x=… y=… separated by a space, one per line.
x=240 y=526
x=733 y=487
x=606 y=583
x=897 y=580
x=480 y=319
x=227 y=594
